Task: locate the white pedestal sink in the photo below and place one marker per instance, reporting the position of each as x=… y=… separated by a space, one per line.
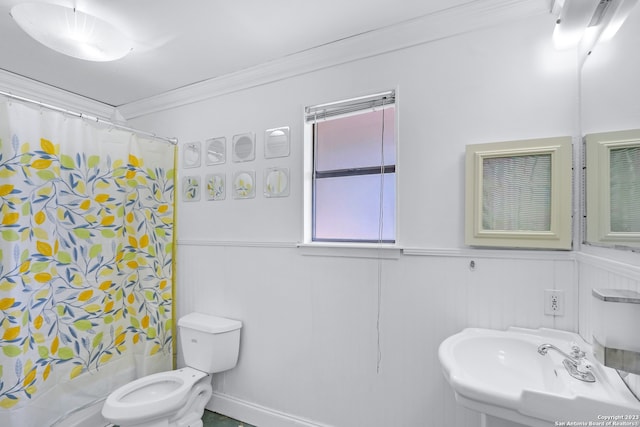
x=501 y=374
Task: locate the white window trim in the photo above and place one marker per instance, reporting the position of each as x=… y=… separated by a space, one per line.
x=351 y=250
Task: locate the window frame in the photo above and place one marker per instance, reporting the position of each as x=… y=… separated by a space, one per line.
x=309 y=170
x=598 y=147
x=559 y=235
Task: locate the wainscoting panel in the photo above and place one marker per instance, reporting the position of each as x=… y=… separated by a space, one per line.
x=344 y=341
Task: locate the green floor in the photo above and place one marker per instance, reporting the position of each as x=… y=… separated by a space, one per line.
x=213 y=419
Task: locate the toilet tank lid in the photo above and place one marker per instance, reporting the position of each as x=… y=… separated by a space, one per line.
x=208 y=323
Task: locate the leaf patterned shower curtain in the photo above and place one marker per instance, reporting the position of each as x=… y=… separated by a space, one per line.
x=86 y=249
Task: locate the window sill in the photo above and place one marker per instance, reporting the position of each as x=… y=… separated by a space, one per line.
x=351 y=250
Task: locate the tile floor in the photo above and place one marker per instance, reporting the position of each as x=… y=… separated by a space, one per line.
x=213 y=419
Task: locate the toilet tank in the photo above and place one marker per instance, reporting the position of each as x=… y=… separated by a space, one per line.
x=209 y=343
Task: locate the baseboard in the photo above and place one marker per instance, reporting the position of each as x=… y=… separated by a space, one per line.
x=257 y=415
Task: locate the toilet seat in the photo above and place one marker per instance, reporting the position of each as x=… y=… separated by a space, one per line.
x=151 y=396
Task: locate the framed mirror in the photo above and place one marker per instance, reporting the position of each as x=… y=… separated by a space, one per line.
x=610 y=120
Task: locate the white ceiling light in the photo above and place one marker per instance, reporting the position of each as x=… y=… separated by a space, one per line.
x=71 y=32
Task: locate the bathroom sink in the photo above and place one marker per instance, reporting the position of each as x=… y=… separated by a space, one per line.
x=501 y=373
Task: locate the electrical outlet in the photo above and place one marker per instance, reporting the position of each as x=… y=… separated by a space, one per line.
x=553 y=302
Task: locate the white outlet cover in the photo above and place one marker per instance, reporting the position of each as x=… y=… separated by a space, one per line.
x=553 y=302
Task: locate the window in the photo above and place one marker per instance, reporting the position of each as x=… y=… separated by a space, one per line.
x=518 y=194
x=613 y=188
x=350 y=160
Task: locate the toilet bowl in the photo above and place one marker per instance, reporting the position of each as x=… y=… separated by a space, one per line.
x=152 y=397
x=177 y=398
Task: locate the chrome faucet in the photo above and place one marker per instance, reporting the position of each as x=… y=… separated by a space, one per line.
x=575 y=356
x=576 y=363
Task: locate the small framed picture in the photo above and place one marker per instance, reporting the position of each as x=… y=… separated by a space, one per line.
x=276 y=142
x=244 y=147
x=244 y=185
x=215 y=186
x=191 y=153
x=276 y=182
x=191 y=188
x=216 y=151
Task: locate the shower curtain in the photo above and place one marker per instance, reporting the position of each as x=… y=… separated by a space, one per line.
x=86 y=249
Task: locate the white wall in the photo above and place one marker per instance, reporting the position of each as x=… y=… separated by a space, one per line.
x=486 y=86
x=309 y=348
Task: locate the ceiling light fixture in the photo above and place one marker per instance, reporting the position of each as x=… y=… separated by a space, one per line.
x=573 y=19
x=71 y=32
x=585 y=22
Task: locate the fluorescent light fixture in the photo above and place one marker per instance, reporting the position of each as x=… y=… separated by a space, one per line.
x=571 y=23
x=617 y=18
x=585 y=22
x=71 y=32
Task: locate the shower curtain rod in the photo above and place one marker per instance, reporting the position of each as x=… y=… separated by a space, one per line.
x=173 y=141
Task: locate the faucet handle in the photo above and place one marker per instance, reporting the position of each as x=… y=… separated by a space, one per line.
x=584 y=366
x=576 y=352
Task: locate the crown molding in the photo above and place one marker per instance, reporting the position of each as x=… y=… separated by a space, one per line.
x=471 y=16
x=22 y=86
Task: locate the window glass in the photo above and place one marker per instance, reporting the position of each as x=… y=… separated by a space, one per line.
x=625 y=189
x=517 y=193
x=354 y=175
x=354 y=141
x=348 y=208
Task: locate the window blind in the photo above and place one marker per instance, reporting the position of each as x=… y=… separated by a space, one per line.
x=340 y=108
x=516 y=193
x=625 y=189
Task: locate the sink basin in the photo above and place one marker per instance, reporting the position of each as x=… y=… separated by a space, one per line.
x=501 y=373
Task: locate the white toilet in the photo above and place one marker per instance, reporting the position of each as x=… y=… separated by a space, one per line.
x=177 y=398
